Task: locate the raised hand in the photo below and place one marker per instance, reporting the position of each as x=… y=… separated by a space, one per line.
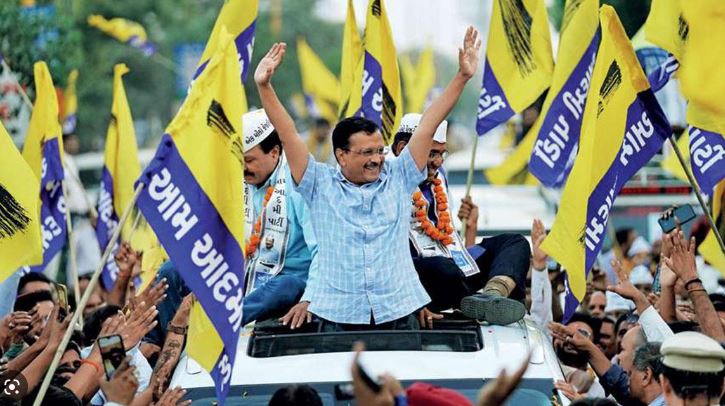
x=13 y=327
x=270 y=63
x=138 y=324
x=126 y=259
x=151 y=296
x=682 y=258
x=468 y=55
x=624 y=286
x=538 y=234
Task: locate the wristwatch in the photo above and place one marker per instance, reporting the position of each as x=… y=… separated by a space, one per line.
x=177 y=329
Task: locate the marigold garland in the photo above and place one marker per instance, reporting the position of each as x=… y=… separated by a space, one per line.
x=444 y=229
x=254 y=239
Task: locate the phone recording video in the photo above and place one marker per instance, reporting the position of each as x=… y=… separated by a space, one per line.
x=681 y=214
x=112 y=353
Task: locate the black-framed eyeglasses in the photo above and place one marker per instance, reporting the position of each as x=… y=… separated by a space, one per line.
x=369 y=152
x=438 y=154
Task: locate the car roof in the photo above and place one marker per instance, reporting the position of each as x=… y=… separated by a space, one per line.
x=504 y=347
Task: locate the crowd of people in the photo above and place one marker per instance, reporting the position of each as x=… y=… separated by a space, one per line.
x=369 y=244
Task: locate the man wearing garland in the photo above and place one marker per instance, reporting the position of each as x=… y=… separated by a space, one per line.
x=451 y=273
x=280 y=245
x=364 y=277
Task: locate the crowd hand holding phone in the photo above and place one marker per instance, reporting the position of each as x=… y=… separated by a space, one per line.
x=676 y=216
x=122 y=386
x=12 y=328
x=367 y=391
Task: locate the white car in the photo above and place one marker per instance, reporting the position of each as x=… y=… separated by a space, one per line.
x=458 y=354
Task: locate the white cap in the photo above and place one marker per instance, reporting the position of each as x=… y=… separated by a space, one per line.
x=693 y=352
x=616 y=303
x=256 y=127
x=639 y=246
x=641 y=276
x=410 y=122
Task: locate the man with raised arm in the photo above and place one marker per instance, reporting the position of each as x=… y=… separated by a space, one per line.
x=360 y=211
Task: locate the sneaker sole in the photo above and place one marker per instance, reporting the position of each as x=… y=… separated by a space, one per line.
x=495 y=310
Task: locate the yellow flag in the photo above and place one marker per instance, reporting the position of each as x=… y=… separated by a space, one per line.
x=672 y=165
x=376 y=94
x=70 y=104
x=623 y=128
x=701 y=71
x=317 y=80
x=351 y=54
x=20 y=239
x=120 y=170
x=519 y=61
x=193 y=200
x=709 y=248
x=123 y=30
x=418 y=81
x=666 y=26
x=516 y=162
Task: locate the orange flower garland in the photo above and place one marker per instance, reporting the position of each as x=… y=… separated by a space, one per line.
x=444 y=230
x=254 y=239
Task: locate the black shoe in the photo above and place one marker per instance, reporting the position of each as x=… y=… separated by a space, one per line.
x=493 y=309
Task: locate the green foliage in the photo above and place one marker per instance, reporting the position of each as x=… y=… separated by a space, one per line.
x=27 y=37
x=632 y=13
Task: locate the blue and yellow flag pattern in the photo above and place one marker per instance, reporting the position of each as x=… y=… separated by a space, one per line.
x=376 y=94
x=20 y=238
x=350 y=58
x=126 y=31
x=120 y=170
x=563 y=110
x=238 y=17
x=70 y=104
x=193 y=200
x=518 y=62
x=623 y=128
x=43 y=150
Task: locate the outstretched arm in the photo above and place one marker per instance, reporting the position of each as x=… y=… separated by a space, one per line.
x=293 y=145
x=420 y=141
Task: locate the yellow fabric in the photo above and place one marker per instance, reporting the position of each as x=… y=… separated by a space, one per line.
x=710 y=249
x=601 y=140
x=672 y=165
x=521 y=81
x=215 y=160
x=578 y=28
x=44 y=125
x=145 y=240
x=418 y=80
x=121 y=154
x=351 y=53
x=236 y=16
x=379 y=44
x=118 y=28
x=666 y=27
x=20 y=238
x=317 y=80
x=70 y=98
x=701 y=72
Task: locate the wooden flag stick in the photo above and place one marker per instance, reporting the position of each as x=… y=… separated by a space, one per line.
x=469 y=180
x=134 y=226
x=698 y=193
x=77 y=315
x=71 y=251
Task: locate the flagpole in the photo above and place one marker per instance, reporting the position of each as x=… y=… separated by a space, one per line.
x=77 y=315
x=24 y=95
x=469 y=180
x=134 y=225
x=698 y=193
x=71 y=248
x=91 y=208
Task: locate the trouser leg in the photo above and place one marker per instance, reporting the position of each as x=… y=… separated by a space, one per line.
x=273 y=299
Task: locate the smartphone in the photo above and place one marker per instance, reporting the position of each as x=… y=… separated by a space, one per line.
x=683 y=214
x=61 y=297
x=112 y=353
x=656 y=285
x=370 y=382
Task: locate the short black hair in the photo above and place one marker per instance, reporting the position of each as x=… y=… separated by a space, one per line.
x=594 y=323
x=349 y=126
x=622 y=234
x=629 y=317
x=296 y=395
x=94 y=322
x=607 y=319
x=688 y=384
x=648 y=355
x=270 y=142
x=401 y=136
x=31 y=277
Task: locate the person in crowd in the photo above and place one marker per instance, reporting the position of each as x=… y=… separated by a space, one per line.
x=597 y=304
x=319 y=141
x=296 y=395
x=365 y=276
x=625 y=238
x=693 y=370
x=642 y=279
x=607 y=342
x=280 y=242
x=451 y=270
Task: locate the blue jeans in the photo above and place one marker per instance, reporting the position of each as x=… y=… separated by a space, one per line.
x=273 y=299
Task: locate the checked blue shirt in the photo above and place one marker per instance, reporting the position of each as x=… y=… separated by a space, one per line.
x=364 y=265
